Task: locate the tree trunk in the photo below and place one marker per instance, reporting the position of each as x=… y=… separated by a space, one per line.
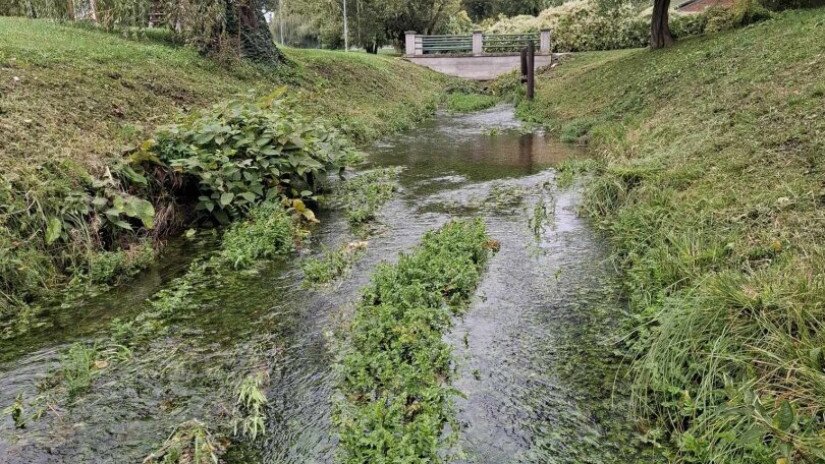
x=660 y=36
x=245 y=20
x=93 y=10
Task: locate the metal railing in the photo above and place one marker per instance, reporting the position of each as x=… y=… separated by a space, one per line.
x=431 y=44
x=477 y=44
x=507 y=43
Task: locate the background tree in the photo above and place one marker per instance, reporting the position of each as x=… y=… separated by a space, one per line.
x=375 y=23
x=244 y=21
x=660 y=35
x=235 y=27
x=480 y=10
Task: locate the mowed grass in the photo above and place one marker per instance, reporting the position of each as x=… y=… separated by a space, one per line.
x=712 y=191
x=83 y=95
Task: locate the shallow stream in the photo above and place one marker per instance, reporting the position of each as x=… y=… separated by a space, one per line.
x=527 y=352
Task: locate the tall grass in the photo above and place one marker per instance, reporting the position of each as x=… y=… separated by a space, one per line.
x=710 y=189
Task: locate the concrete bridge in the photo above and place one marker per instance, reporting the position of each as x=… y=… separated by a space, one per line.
x=478 y=56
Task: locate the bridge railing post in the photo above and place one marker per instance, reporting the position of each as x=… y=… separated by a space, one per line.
x=478 y=43
x=545 y=46
x=409 y=45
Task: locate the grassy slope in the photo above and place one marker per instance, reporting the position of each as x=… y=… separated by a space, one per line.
x=74 y=93
x=713 y=192
x=71 y=99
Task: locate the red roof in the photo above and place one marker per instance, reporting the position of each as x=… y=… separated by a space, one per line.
x=698 y=6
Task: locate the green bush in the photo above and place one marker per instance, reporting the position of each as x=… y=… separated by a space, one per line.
x=583 y=25
x=240 y=154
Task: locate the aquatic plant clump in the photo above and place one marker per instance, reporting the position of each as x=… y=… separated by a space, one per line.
x=363 y=195
x=333 y=263
x=395 y=390
x=461 y=102
x=269 y=231
x=190 y=443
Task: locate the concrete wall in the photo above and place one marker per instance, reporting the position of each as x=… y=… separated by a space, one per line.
x=480 y=68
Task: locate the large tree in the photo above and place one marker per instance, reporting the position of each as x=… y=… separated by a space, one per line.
x=245 y=23
x=660 y=35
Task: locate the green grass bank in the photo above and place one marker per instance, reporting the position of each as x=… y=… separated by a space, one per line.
x=74 y=101
x=711 y=187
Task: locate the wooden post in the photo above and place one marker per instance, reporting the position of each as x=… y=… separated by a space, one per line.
x=531 y=69
x=524 y=65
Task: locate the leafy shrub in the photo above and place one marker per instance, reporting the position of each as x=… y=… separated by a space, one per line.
x=395 y=398
x=583 y=25
x=242 y=153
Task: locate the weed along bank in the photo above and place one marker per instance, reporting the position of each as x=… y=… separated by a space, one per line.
x=520 y=236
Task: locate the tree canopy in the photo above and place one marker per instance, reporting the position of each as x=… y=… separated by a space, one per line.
x=483 y=9
x=373 y=23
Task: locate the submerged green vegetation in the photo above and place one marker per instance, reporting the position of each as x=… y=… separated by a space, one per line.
x=362 y=195
x=94 y=177
x=395 y=384
x=711 y=191
x=332 y=264
x=460 y=102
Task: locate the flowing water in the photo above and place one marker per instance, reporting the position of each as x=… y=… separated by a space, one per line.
x=527 y=351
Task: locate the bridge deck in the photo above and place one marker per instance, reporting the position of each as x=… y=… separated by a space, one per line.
x=480 y=68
